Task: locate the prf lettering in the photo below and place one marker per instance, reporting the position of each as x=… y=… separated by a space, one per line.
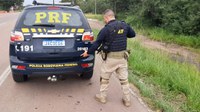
x=53 y=17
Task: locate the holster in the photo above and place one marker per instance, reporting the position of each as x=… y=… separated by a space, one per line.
x=104 y=50
x=103 y=55
x=127 y=54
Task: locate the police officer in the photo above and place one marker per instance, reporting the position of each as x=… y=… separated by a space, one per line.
x=112 y=44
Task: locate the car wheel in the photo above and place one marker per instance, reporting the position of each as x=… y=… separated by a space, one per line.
x=87 y=75
x=19 y=77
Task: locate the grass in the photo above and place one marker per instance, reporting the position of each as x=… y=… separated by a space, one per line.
x=93 y=16
x=169 y=85
x=160 y=34
x=95 y=31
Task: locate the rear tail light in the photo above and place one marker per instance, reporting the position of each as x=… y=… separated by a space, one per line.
x=88 y=36
x=86 y=65
x=16 y=36
x=19 y=67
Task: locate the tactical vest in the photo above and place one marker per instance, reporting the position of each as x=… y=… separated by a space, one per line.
x=116 y=41
x=117 y=37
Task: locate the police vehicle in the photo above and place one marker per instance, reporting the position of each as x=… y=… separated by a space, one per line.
x=48 y=40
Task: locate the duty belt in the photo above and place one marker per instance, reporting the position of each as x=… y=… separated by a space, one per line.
x=117 y=55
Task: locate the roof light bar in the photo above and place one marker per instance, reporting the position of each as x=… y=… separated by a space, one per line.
x=58 y=4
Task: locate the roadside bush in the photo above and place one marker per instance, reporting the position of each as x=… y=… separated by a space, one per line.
x=178 y=16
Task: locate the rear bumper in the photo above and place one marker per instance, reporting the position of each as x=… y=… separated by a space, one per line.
x=51 y=67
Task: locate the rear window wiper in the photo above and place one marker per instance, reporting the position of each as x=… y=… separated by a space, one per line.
x=46 y=25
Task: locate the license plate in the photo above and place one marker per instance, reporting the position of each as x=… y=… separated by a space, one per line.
x=53 y=42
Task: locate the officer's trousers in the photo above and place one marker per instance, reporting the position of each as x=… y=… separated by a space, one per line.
x=120 y=67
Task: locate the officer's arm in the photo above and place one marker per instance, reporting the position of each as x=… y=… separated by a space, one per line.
x=101 y=36
x=131 y=32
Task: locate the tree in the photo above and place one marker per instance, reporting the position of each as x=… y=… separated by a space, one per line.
x=178 y=16
x=8 y=3
x=73 y=1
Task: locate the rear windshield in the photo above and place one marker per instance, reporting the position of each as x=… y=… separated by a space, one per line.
x=63 y=18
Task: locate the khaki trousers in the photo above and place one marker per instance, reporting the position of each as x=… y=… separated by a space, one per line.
x=120 y=66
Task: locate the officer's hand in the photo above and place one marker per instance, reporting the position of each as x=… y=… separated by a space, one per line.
x=85 y=54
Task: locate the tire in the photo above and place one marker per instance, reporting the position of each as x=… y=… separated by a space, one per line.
x=87 y=75
x=19 y=77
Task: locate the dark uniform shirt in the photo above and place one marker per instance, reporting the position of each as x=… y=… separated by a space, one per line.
x=104 y=33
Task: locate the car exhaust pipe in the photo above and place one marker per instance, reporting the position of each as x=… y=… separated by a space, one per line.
x=52 y=78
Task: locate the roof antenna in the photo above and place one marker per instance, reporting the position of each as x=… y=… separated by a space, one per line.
x=34 y=2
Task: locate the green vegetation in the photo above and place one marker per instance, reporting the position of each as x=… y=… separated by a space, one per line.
x=88 y=6
x=6 y=4
x=95 y=31
x=170 y=85
x=176 y=16
x=162 y=35
x=171 y=21
x=167 y=85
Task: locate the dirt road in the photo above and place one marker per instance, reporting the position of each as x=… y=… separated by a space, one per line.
x=70 y=95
